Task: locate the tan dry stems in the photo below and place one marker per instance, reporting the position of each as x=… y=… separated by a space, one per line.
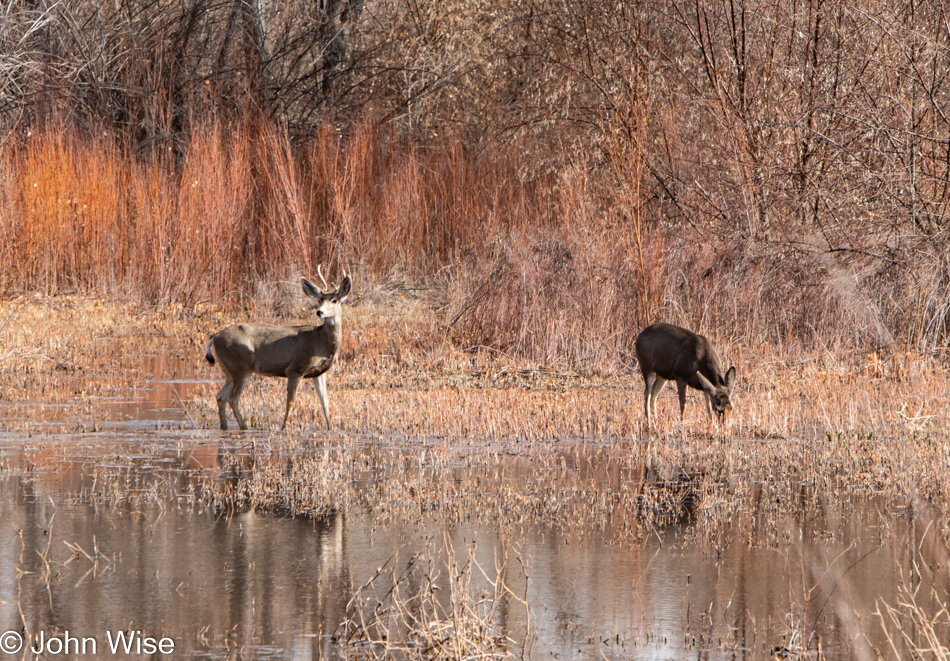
x=872 y=424
x=916 y=629
x=576 y=491
x=433 y=608
x=734 y=490
x=560 y=270
x=399 y=372
x=688 y=165
x=918 y=624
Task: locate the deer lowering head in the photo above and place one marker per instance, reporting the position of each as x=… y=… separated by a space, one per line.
x=292 y=352
x=670 y=353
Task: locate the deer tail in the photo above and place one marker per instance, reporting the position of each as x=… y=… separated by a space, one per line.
x=209 y=354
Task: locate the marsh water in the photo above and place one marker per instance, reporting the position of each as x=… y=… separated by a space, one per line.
x=106 y=551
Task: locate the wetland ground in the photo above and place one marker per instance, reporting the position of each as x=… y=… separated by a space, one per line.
x=463 y=504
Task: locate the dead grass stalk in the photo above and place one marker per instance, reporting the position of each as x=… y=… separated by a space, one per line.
x=431 y=608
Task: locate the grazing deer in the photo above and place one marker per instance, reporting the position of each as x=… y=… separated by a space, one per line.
x=292 y=352
x=670 y=353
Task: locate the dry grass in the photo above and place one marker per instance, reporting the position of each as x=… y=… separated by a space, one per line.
x=427 y=432
x=410 y=407
x=434 y=606
x=915 y=626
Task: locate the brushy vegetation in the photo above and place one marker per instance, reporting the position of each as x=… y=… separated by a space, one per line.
x=408 y=404
x=561 y=174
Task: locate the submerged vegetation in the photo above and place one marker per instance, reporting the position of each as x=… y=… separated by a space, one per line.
x=396 y=614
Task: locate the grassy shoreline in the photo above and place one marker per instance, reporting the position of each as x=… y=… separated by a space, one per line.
x=843 y=426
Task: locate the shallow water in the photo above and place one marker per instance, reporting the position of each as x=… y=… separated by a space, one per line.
x=101 y=532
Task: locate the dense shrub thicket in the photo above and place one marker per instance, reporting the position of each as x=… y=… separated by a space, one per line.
x=770 y=170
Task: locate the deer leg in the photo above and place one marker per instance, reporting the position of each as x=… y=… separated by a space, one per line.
x=648 y=393
x=658 y=383
x=234 y=400
x=681 y=389
x=321 y=383
x=223 y=395
x=293 y=382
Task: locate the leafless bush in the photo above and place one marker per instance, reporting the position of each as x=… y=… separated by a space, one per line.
x=772 y=167
x=797 y=150
x=551 y=298
x=152 y=67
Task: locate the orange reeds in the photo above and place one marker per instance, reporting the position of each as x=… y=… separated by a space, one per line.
x=242 y=204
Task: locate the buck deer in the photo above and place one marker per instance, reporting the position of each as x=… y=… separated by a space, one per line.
x=292 y=352
x=670 y=353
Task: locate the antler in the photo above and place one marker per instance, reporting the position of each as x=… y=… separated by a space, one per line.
x=344 y=288
x=326 y=287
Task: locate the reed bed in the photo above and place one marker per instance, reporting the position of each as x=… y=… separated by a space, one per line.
x=411 y=408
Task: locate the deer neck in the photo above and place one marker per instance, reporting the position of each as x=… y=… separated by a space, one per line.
x=333 y=331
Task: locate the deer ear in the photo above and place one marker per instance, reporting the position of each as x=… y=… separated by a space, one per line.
x=731 y=377
x=311 y=289
x=705 y=383
x=344 y=289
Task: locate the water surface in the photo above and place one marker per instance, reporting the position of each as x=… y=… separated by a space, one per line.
x=102 y=530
